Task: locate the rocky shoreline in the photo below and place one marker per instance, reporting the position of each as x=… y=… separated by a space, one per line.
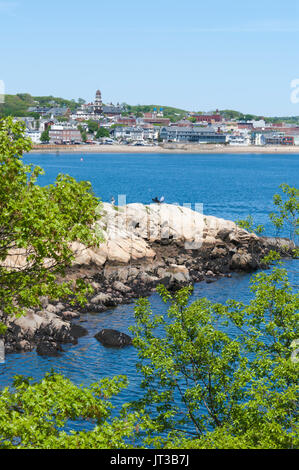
x=144 y=246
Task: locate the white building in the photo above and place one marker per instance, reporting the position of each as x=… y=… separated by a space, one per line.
x=259 y=124
x=136 y=133
x=34 y=136
x=260 y=139
x=240 y=140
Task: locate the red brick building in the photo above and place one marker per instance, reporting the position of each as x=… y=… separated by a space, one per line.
x=157 y=120
x=64 y=135
x=208 y=117
x=126 y=121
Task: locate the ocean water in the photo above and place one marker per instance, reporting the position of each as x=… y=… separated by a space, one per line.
x=229 y=186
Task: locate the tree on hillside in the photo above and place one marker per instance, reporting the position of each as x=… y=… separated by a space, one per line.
x=92 y=126
x=102 y=132
x=37 y=226
x=83 y=133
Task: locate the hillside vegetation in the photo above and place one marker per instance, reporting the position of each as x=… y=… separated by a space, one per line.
x=17 y=105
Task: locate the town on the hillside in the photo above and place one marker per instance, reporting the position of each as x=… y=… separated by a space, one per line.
x=98 y=123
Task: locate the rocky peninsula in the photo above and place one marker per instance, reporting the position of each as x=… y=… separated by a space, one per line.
x=144 y=245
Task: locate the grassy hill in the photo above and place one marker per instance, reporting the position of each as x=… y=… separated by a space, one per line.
x=231 y=114
x=174 y=114
x=17 y=105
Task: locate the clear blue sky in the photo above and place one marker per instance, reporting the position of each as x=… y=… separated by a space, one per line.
x=192 y=54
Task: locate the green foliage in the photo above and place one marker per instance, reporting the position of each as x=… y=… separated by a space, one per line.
x=62 y=119
x=16 y=105
x=225 y=371
x=286 y=215
x=174 y=114
x=45 y=136
x=83 y=133
x=34 y=414
x=114 y=126
x=37 y=226
x=230 y=365
x=287 y=211
x=93 y=126
x=213 y=375
x=231 y=114
x=49 y=101
x=102 y=132
x=248 y=224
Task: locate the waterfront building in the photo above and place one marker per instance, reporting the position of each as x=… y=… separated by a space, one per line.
x=239 y=140
x=259 y=139
x=279 y=139
x=137 y=133
x=64 y=135
x=190 y=134
x=129 y=133
x=288 y=140
x=33 y=135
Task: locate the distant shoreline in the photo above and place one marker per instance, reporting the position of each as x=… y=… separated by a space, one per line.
x=166 y=148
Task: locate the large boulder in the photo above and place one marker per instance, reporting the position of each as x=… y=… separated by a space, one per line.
x=113 y=338
x=77 y=331
x=242 y=261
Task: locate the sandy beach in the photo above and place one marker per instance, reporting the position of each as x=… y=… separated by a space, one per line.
x=164 y=148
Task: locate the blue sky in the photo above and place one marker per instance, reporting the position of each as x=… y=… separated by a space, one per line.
x=193 y=54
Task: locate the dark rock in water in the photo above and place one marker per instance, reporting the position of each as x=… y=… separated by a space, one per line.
x=48 y=348
x=113 y=338
x=77 y=331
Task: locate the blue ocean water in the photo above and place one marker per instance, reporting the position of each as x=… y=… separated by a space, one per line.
x=229 y=186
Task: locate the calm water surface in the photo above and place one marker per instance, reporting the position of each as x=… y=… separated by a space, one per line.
x=229 y=186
